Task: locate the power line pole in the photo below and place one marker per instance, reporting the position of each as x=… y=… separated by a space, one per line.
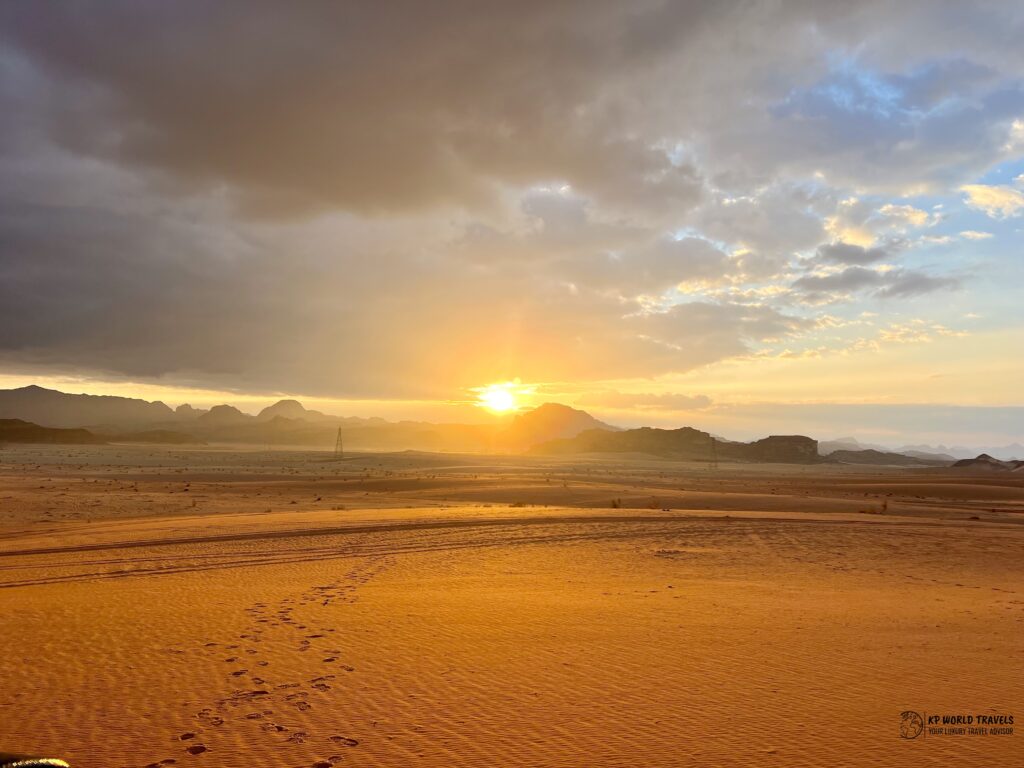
x=339 y=446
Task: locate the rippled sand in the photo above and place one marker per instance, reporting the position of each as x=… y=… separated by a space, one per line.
x=770 y=617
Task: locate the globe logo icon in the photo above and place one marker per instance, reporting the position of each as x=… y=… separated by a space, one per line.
x=911 y=725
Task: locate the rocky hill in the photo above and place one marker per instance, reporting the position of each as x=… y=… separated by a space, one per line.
x=19 y=431
x=987 y=463
x=291 y=409
x=550 y=421
x=50 y=408
x=685 y=443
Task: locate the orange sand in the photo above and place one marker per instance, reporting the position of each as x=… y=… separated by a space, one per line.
x=774 y=616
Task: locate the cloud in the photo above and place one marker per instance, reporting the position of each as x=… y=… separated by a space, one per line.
x=885 y=284
x=915 y=332
x=772 y=222
x=904 y=283
x=409 y=199
x=866 y=222
x=996 y=201
x=564 y=236
x=906 y=216
x=973 y=234
x=845 y=253
x=275 y=307
x=365 y=108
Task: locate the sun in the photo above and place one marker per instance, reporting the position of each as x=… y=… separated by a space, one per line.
x=501 y=397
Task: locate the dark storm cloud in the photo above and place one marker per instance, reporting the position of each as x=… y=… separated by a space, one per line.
x=365 y=106
x=402 y=198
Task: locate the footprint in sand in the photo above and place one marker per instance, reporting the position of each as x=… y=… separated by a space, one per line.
x=345 y=741
x=186 y=736
x=207 y=716
x=196 y=749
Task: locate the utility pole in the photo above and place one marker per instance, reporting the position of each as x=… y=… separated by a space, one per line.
x=339 y=447
x=714 y=452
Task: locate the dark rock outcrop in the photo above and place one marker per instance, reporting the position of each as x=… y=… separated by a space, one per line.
x=782 y=449
x=19 y=431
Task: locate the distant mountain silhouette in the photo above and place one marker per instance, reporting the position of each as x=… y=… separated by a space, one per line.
x=685 y=443
x=825 y=447
x=50 y=408
x=986 y=462
x=885 y=458
x=943 y=458
x=289 y=423
x=291 y=409
x=19 y=431
x=999 y=452
x=550 y=421
x=223 y=414
x=853 y=445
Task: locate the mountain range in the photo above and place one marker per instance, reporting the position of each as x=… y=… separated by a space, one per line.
x=550 y=428
x=285 y=423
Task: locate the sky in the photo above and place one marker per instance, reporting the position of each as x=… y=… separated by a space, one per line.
x=750 y=217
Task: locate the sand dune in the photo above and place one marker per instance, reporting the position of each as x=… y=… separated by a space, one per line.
x=437 y=632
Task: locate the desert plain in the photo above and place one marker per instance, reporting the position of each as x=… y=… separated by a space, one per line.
x=244 y=608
